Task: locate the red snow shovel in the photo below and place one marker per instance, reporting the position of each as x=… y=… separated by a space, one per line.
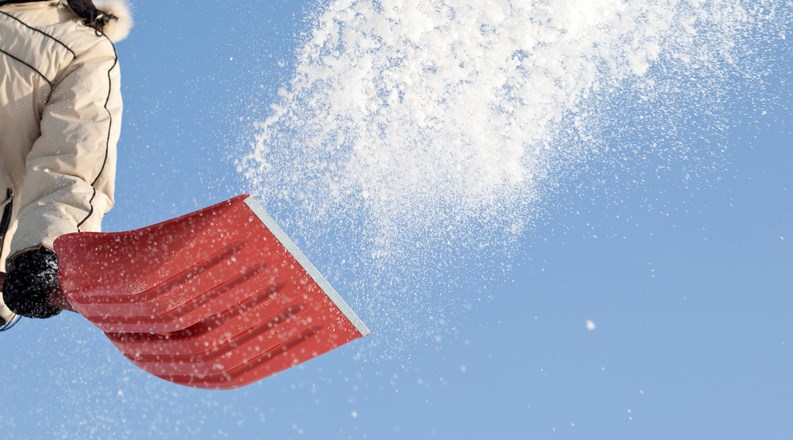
x=215 y=299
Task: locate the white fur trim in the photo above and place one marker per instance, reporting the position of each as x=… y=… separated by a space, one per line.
x=116 y=30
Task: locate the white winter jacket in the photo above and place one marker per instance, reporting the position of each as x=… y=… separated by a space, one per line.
x=60 y=120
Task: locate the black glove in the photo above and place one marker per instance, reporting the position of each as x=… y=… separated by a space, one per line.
x=32 y=277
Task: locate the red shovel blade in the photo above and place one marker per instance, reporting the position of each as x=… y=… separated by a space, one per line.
x=215 y=299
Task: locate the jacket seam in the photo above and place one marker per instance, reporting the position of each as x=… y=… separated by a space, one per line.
x=109 y=114
x=29 y=66
x=40 y=32
x=5 y=222
x=90 y=210
x=109 y=133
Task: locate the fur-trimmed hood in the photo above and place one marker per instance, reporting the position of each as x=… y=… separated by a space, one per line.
x=116 y=30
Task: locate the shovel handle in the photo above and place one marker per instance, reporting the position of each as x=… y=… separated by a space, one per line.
x=57 y=298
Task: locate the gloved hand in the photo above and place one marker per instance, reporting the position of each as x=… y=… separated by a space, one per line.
x=32 y=277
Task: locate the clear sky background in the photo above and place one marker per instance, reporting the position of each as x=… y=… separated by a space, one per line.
x=686 y=284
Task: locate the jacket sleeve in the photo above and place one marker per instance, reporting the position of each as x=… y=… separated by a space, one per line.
x=70 y=171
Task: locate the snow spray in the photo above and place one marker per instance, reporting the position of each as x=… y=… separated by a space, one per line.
x=419 y=140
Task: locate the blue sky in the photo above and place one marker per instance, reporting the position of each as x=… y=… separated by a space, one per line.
x=687 y=282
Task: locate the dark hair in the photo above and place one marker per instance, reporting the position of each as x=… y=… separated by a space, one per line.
x=91 y=16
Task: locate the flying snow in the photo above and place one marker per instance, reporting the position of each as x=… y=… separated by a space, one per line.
x=418 y=139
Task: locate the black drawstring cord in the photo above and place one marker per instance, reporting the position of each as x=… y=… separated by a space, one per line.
x=102 y=19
